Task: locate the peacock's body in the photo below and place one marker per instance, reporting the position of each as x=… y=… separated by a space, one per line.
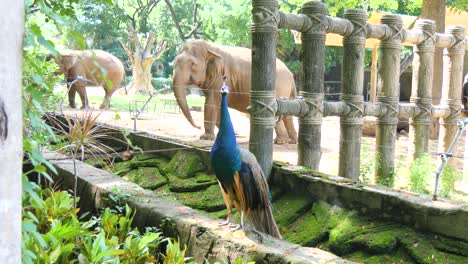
x=241 y=178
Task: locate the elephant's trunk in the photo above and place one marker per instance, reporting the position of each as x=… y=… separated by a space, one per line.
x=179 y=92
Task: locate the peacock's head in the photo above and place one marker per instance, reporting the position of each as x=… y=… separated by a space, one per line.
x=225 y=87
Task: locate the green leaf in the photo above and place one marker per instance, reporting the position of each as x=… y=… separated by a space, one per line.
x=55 y=254
x=146 y=239
x=40 y=168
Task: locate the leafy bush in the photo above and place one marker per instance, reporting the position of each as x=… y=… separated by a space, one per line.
x=53 y=233
x=447 y=180
x=160 y=82
x=421 y=171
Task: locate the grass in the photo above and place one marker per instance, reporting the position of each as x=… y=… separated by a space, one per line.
x=120 y=102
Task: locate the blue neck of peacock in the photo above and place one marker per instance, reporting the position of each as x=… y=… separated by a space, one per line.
x=226 y=130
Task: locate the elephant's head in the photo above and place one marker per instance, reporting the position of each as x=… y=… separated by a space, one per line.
x=199 y=64
x=65 y=61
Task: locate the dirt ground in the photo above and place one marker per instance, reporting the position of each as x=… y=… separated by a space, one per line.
x=170 y=122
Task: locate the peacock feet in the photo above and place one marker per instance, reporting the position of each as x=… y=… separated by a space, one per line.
x=236 y=227
x=227 y=222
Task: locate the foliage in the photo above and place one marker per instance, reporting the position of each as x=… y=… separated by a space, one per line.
x=367 y=166
x=53 y=233
x=102 y=24
x=421 y=171
x=82 y=136
x=448 y=178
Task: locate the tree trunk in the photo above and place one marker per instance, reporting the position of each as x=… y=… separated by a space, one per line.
x=142 y=58
x=435 y=10
x=11 y=156
x=141 y=76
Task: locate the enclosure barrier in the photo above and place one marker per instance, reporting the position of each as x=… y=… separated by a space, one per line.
x=313 y=23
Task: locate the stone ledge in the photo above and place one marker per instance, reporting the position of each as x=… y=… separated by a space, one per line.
x=202 y=235
x=443 y=217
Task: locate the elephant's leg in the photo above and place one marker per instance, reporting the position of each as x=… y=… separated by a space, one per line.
x=106 y=102
x=289 y=124
x=210 y=115
x=281 y=133
x=81 y=89
x=71 y=96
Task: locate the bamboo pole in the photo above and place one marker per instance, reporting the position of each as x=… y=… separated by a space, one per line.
x=313 y=69
x=352 y=79
x=423 y=71
x=452 y=88
x=389 y=74
x=262 y=95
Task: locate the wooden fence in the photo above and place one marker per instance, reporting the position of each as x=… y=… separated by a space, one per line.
x=313 y=23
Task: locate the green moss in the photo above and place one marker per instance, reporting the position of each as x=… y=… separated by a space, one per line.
x=146 y=177
x=185 y=164
x=398 y=256
x=356 y=233
x=288 y=208
x=121 y=168
x=158 y=163
x=313 y=227
x=141 y=157
x=187 y=185
x=209 y=200
x=451 y=245
x=202 y=177
x=306 y=231
x=419 y=247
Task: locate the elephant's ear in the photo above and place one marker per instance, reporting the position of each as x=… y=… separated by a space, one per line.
x=215 y=65
x=68 y=60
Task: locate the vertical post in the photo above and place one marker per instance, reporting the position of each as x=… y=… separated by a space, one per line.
x=421 y=95
x=352 y=94
x=373 y=78
x=312 y=71
x=11 y=132
x=452 y=88
x=262 y=95
x=389 y=75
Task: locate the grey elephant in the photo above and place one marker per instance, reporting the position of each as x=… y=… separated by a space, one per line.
x=204 y=64
x=100 y=67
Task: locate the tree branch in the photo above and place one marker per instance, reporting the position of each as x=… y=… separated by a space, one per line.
x=127 y=50
x=174 y=18
x=159 y=49
x=194 y=30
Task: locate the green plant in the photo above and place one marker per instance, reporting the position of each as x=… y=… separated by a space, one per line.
x=367 y=166
x=448 y=179
x=174 y=255
x=83 y=137
x=421 y=170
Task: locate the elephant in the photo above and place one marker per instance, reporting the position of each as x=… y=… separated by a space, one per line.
x=100 y=67
x=205 y=65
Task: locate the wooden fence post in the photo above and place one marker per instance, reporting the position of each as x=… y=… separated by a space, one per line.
x=352 y=94
x=312 y=73
x=262 y=96
x=452 y=88
x=389 y=75
x=421 y=95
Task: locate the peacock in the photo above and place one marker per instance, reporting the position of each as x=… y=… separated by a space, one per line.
x=242 y=181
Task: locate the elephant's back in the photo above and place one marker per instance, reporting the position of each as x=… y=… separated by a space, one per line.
x=103 y=58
